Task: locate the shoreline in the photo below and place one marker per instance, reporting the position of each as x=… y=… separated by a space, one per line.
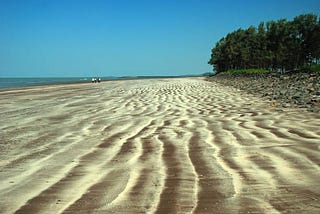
x=40 y=87
x=16 y=83
x=75 y=80
x=75 y=84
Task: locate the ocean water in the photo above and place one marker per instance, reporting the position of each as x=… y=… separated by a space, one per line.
x=7 y=83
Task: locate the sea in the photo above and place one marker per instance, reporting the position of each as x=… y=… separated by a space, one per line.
x=11 y=83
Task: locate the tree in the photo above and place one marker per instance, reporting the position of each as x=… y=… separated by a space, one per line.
x=276 y=45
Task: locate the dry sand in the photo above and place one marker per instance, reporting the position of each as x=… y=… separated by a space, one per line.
x=155 y=146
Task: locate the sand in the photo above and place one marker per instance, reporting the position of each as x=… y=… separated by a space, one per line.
x=155 y=146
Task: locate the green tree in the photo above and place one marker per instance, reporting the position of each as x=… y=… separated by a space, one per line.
x=307 y=32
x=276 y=45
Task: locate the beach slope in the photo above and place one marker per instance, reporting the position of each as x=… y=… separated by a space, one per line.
x=155 y=146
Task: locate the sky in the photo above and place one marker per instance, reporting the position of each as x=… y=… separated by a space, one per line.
x=84 y=38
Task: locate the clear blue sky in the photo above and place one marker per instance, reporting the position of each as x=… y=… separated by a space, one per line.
x=53 y=38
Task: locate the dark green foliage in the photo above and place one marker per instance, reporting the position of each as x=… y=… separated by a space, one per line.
x=247 y=71
x=275 y=45
x=207 y=74
x=315 y=67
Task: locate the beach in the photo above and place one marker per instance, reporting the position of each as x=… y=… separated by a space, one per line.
x=181 y=145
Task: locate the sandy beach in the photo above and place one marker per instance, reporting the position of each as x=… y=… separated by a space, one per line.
x=180 y=145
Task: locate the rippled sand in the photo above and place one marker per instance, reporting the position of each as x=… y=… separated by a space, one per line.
x=155 y=146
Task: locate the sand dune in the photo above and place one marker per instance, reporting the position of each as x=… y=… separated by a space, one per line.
x=155 y=146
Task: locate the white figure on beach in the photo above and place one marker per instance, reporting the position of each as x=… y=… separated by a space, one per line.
x=95 y=80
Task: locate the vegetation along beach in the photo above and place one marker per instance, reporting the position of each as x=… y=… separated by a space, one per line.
x=120 y=107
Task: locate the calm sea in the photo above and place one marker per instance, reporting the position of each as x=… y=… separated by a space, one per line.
x=6 y=83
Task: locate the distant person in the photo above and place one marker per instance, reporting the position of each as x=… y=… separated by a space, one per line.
x=92 y=80
x=99 y=79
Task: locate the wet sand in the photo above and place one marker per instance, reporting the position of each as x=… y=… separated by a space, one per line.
x=155 y=146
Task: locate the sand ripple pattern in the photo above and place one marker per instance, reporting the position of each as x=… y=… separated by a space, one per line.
x=155 y=146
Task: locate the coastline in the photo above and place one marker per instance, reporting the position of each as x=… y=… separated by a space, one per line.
x=40 y=87
x=16 y=83
x=159 y=146
x=9 y=83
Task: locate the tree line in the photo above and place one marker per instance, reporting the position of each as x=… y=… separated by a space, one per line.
x=274 y=45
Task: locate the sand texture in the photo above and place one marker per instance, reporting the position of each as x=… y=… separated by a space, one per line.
x=155 y=146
